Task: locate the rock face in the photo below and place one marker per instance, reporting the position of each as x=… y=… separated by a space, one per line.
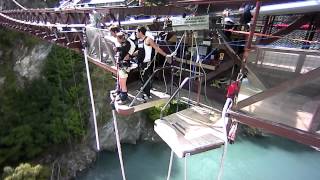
x=29 y=64
x=131 y=129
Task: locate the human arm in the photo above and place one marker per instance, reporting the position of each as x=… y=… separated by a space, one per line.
x=132 y=47
x=151 y=43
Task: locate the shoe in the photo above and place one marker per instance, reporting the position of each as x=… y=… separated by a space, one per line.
x=141 y=98
x=123 y=102
x=144 y=98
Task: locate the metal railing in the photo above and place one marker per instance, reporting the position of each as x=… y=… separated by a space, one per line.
x=176 y=92
x=154 y=72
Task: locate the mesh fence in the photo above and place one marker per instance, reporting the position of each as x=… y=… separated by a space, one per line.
x=101 y=45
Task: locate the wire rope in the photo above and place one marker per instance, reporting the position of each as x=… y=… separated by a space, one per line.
x=118 y=141
x=18 y=4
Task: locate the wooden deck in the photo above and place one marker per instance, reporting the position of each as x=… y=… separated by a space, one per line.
x=158 y=98
x=191 y=131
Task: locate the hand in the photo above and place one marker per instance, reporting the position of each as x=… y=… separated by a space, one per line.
x=172 y=54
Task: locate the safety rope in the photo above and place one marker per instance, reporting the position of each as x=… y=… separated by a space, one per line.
x=190 y=67
x=118 y=140
x=181 y=64
x=164 y=64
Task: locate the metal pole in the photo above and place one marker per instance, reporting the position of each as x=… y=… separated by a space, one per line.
x=251 y=34
x=91 y=98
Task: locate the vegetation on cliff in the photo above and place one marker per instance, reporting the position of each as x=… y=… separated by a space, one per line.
x=50 y=110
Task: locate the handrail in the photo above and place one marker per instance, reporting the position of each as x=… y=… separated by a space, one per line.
x=176 y=92
x=149 y=79
x=146 y=83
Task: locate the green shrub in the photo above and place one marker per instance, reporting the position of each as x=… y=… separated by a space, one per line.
x=154 y=112
x=25 y=171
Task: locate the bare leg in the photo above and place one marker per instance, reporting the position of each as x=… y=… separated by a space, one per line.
x=123 y=85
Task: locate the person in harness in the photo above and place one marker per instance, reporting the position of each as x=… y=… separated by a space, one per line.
x=124 y=52
x=147 y=49
x=232 y=92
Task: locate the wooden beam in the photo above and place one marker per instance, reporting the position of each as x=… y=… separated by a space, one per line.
x=283 y=87
x=279 y=129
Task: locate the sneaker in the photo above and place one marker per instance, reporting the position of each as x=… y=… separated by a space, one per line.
x=143 y=98
x=123 y=102
x=146 y=97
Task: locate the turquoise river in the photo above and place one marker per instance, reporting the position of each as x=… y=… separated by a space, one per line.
x=250 y=158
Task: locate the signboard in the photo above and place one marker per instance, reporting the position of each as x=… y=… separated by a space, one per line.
x=190 y=23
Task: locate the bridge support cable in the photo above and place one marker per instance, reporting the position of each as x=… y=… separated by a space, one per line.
x=18 y=4
x=91 y=99
x=118 y=140
x=226 y=107
x=185 y=165
x=170 y=165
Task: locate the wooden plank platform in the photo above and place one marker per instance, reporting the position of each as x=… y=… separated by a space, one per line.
x=158 y=98
x=191 y=131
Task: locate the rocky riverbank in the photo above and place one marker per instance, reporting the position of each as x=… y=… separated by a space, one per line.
x=80 y=157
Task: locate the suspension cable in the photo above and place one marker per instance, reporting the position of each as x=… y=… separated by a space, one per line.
x=185 y=165
x=91 y=98
x=118 y=140
x=170 y=165
x=18 y=4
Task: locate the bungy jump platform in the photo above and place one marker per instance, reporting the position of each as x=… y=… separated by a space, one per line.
x=158 y=98
x=191 y=131
x=187 y=132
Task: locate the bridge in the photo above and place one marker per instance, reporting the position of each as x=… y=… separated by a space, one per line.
x=73 y=28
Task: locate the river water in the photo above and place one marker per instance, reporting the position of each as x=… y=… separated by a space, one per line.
x=250 y=158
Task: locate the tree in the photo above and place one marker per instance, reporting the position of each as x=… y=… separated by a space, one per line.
x=26 y=171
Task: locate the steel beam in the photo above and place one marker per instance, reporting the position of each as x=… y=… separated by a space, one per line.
x=281 y=88
x=279 y=129
x=315 y=122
